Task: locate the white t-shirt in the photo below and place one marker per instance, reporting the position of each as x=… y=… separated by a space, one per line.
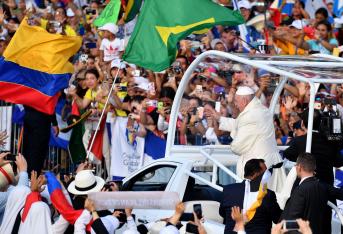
x=111 y=48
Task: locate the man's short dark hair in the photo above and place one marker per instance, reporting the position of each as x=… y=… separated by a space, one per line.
x=316 y=118
x=252 y=167
x=307 y=161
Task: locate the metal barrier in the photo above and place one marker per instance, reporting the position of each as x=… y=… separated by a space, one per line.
x=57 y=158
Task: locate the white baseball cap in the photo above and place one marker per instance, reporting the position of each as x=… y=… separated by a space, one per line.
x=244 y=4
x=298 y=24
x=116 y=63
x=111 y=27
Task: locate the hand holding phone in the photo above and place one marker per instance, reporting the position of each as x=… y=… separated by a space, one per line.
x=290 y=225
x=197 y=210
x=159 y=105
x=200 y=111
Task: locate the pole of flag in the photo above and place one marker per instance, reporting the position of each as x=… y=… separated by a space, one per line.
x=20 y=139
x=103 y=112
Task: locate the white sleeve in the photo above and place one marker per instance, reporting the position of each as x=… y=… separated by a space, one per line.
x=102 y=45
x=60 y=226
x=81 y=222
x=227 y=124
x=211 y=135
x=169 y=229
x=122 y=45
x=162 y=125
x=131 y=225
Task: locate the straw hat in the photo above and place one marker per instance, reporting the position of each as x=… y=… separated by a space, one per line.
x=6 y=175
x=86 y=182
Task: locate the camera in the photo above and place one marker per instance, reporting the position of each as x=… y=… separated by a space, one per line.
x=90 y=11
x=9 y=157
x=122 y=88
x=55 y=24
x=84 y=58
x=330 y=121
x=176 y=67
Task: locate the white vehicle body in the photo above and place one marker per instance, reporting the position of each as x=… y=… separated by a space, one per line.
x=211 y=165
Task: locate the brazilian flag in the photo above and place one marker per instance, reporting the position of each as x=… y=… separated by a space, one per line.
x=162 y=23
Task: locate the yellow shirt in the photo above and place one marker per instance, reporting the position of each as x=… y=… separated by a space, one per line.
x=90 y=95
x=121 y=95
x=289 y=48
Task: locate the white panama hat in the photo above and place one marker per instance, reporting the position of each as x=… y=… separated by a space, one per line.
x=86 y=182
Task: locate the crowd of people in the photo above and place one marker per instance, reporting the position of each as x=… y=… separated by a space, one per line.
x=128 y=109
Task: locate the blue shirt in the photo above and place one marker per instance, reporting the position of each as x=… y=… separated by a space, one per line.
x=315 y=46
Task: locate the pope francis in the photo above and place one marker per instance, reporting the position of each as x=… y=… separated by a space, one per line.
x=253 y=135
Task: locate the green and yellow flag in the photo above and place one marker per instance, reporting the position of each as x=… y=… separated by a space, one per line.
x=162 y=23
x=109 y=14
x=131 y=9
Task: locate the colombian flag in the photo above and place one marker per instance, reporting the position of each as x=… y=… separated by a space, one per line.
x=35 y=67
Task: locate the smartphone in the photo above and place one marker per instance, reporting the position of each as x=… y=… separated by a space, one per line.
x=217 y=106
x=152 y=103
x=198 y=88
x=136 y=73
x=159 y=105
x=317 y=105
x=122 y=88
x=197 y=210
x=290 y=225
x=29 y=5
x=151 y=87
x=90 y=45
x=191 y=228
x=187 y=217
x=9 y=157
x=83 y=58
x=90 y=11
x=200 y=111
x=218 y=89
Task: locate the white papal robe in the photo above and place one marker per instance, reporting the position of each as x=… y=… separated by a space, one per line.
x=254 y=137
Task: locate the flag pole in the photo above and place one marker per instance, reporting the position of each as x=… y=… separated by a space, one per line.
x=103 y=112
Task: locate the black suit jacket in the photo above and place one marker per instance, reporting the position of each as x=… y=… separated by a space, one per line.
x=261 y=223
x=309 y=201
x=326 y=155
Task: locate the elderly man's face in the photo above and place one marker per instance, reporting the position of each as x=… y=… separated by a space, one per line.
x=240 y=102
x=239 y=75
